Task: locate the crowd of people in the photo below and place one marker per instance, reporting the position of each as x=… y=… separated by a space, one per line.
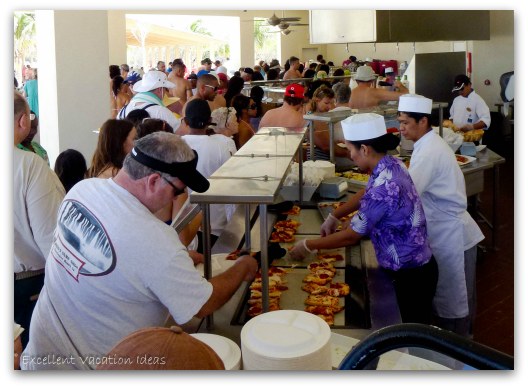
x=96 y=257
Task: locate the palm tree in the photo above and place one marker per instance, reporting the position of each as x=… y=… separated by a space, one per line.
x=24 y=37
x=197 y=27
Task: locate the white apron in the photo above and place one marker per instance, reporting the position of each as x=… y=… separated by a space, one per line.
x=446 y=238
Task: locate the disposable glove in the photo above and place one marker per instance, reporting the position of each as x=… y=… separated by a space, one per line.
x=329 y=226
x=300 y=251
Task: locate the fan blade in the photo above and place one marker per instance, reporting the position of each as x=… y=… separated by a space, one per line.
x=283 y=25
x=292 y=19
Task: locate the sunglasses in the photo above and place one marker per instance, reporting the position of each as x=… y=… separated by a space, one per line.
x=176 y=190
x=253 y=106
x=215 y=88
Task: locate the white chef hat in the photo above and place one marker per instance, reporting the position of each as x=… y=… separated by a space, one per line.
x=363 y=126
x=415 y=103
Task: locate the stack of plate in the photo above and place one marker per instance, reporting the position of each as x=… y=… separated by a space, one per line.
x=286 y=340
x=226 y=349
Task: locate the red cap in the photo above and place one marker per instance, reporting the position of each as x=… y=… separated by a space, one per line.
x=294 y=90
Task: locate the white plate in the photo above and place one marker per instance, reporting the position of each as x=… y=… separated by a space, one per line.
x=218 y=264
x=342 y=145
x=469 y=160
x=481 y=147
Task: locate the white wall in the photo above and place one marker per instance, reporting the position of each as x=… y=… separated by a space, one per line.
x=73 y=79
x=492 y=58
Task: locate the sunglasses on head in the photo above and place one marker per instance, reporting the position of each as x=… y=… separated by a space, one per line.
x=215 y=88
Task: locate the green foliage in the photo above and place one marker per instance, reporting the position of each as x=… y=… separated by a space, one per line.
x=197 y=28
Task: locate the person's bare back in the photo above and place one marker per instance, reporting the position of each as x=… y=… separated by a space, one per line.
x=285 y=116
x=182 y=90
x=367 y=97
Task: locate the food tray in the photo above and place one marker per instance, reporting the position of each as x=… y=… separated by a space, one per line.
x=310 y=220
x=354 y=316
x=287 y=261
x=354 y=185
x=325 y=208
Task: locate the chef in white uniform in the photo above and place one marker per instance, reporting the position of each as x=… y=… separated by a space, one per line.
x=453 y=234
x=469 y=111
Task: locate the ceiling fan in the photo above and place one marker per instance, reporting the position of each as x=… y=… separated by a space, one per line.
x=285 y=25
x=275 y=20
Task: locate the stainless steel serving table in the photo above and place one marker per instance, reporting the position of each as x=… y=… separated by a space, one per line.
x=474 y=176
x=254 y=175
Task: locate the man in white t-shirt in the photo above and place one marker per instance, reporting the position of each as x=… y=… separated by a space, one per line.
x=37 y=194
x=213 y=151
x=115 y=268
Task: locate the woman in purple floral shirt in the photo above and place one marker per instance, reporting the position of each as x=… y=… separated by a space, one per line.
x=390 y=212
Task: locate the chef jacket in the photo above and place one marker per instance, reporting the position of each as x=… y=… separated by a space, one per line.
x=451 y=230
x=469 y=110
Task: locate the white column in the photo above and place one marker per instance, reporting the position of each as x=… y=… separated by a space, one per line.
x=73 y=79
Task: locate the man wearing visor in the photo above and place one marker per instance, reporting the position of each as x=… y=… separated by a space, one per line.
x=115 y=268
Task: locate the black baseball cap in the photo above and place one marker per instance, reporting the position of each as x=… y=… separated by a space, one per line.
x=460 y=81
x=185 y=171
x=198 y=113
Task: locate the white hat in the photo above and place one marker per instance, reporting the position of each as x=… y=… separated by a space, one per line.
x=365 y=73
x=152 y=80
x=389 y=70
x=363 y=126
x=415 y=103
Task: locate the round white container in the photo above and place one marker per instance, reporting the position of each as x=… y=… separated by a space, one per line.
x=226 y=349
x=286 y=340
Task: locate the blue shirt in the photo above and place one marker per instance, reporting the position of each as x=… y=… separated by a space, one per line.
x=391 y=213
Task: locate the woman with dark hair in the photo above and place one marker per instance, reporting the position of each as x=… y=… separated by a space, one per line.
x=338 y=73
x=116 y=139
x=137 y=116
x=390 y=212
x=245 y=109
x=120 y=93
x=257 y=76
x=234 y=87
x=148 y=126
x=257 y=94
x=70 y=167
x=272 y=75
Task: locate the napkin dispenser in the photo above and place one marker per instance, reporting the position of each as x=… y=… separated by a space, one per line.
x=334 y=187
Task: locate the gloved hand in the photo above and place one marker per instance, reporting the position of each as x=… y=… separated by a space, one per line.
x=467 y=127
x=329 y=226
x=300 y=251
